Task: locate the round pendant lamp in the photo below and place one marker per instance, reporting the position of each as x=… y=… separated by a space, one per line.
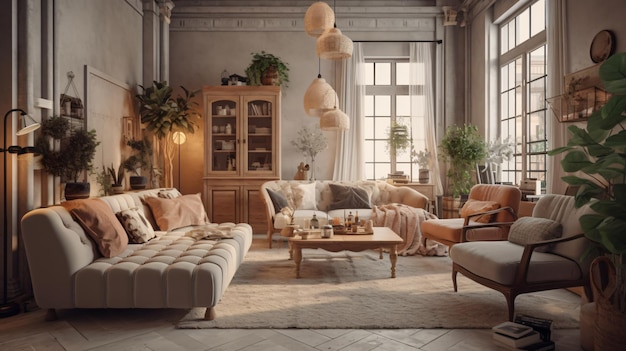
x=334 y=119
x=319 y=98
x=333 y=45
x=318 y=18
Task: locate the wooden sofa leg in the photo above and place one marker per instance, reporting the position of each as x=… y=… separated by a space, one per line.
x=454 y=273
x=269 y=239
x=510 y=302
x=209 y=315
x=51 y=315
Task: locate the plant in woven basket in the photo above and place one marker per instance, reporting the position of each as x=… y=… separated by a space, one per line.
x=267 y=69
x=596 y=157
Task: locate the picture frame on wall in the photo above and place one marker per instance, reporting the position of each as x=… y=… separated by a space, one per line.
x=128 y=127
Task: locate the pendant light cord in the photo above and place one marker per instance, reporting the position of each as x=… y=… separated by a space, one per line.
x=319 y=68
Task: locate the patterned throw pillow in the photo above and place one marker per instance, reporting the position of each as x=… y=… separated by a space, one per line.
x=169 y=193
x=136 y=225
x=472 y=206
x=528 y=230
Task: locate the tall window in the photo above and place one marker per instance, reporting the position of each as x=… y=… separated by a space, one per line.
x=523 y=93
x=387 y=103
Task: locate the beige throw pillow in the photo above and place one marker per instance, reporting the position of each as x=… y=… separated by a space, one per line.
x=178 y=212
x=304 y=196
x=528 y=230
x=100 y=223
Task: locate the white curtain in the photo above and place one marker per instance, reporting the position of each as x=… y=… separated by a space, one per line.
x=556 y=71
x=349 y=158
x=422 y=95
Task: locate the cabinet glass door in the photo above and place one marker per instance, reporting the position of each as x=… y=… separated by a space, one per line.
x=223 y=135
x=259 y=148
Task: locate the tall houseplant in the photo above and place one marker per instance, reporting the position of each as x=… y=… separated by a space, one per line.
x=267 y=69
x=163 y=115
x=67 y=153
x=140 y=160
x=461 y=147
x=597 y=154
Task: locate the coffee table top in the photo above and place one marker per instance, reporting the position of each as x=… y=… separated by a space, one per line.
x=381 y=235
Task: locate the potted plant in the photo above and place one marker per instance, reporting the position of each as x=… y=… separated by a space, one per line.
x=163 y=115
x=461 y=148
x=116 y=178
x=141 y=159
x=399 y=139
x=496 y=152
x=597 y=154
x=422 y=158
x=73 y=156
x=267 y=69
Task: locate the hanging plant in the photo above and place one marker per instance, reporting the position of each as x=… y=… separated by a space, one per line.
x=399 y=139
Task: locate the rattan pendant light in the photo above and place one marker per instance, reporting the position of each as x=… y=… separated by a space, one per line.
x=318 y=18
x=319 y=97
x=333 y=45
x=334 y=119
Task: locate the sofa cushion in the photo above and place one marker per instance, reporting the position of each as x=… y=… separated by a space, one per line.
x=169 y=193
x=473 y=206
x=278 y=200
x=304 y=196
x=97 y=220
x=528 y=230
x=137 y=227
x=178 y=212
x=348 y=197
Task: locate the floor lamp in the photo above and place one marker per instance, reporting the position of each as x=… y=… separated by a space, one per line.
x=7 y=308
x=179 y=139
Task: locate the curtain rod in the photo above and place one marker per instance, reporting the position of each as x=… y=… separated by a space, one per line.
x=399 y=41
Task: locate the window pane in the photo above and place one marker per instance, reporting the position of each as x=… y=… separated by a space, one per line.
x=382 y=73
x=368 y=127
x=381 y=127
x=537 y=17
x=536 y=129
x=369 y=73
x=403 y=105
x=504 y=106
x=369 y=105
x=382 y=105
x=381 y=170
x=537 y=95
x=523 y=26
x=537 y=63
x=504 y=39
x=402 y=73
x=518 y=72
x=512 y=26
x=368 y=149
x=512 y=80
x=504 y=78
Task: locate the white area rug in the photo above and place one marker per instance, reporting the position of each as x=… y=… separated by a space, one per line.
x=355 y=291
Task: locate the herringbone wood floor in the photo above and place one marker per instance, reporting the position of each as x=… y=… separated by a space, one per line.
x=154 y=330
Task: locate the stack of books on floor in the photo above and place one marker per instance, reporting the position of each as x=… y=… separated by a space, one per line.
x=525 y=333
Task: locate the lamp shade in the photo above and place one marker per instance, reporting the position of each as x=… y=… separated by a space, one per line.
x=334 y=119
x=179 y=138
x=318 y=18
x=333 y=45
x=320 y=97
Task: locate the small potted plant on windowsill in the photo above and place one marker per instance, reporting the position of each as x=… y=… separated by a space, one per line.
x=422 y=158
x=267 y=69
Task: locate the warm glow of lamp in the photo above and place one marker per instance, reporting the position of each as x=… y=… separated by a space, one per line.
x=318 y=18
x=320 y=97
x=334 y=119
x=179 y=138
x=333 y=45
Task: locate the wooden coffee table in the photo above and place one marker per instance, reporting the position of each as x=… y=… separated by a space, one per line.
x=383 y=238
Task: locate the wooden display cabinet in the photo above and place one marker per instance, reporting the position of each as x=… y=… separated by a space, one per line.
x=242 y=151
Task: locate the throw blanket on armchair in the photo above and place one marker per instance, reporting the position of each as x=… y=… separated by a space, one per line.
x=405 y=221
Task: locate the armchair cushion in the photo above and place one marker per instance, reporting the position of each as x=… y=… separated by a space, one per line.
x=348 y=197
x=528 y=230
x=477 y=206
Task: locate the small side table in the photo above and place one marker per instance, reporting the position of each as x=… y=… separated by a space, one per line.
x=427 y=190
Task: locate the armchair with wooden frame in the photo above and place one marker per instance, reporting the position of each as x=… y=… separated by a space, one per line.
x=545 y=251
x=487 y=215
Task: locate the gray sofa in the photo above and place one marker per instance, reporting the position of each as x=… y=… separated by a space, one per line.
x=172 y=270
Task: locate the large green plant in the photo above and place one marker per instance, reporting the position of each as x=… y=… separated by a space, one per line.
x=461 y=147
x=141 y=158
x=163 y=115
x=261 y=62
x=598 y=153
x=75 y=154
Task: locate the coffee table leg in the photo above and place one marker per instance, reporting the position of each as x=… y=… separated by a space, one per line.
x=290 y=250
x=393 y=257
x=297 y=258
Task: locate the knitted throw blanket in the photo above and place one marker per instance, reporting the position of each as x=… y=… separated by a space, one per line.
x=405 y=221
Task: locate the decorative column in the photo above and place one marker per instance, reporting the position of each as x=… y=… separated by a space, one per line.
x=165 y=9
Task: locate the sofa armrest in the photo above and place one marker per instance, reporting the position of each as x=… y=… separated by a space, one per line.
x=409 y=196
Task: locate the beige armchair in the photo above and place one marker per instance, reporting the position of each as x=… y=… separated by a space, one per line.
x=543 y=252
x=488 y=213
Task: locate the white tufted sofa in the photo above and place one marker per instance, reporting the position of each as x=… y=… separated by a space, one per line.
x=169 y=271
x=379 y=193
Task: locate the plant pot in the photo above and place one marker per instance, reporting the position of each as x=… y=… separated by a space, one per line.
x=138 y=182
x=608 y=332
x=270 y=76
x=117 y=189
x=74 y=191
x=424 y=176
x=450 y=207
